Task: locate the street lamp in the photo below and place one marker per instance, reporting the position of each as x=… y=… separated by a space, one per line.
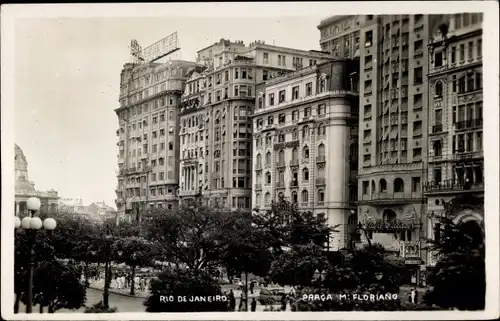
x=31 y=224
x=379 y=276
x=107 y=267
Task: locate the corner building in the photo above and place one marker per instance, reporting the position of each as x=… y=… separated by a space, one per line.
x=456 y=160
x=148 y=141
x=305 y=143
x=393 y=126
x=216 y=117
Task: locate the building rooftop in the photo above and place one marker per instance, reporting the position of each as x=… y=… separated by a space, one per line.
x=332 y=19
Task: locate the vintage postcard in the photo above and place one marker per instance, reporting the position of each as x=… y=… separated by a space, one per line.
x=253 y=161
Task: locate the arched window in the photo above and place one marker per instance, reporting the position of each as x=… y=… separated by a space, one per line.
x=305 y=132
x=373 y=186
x=294 y=197
x=281 y=196
x=383 y=186
x=268 y=178
x=295 y=134
x=281 y=157
x=439 y=89
x=399 y=185
x=295 y=154
x=321 y=196
x=259 y=161
x=267 y=199
x=268 y=158
x=321 y=130
x=170 y=146
x=305 y=152
x=321 y=150
x=305 y=174
x=257 y=199
x=269 y=139
x=305 y=196
x=437 y=148
x=389 y=215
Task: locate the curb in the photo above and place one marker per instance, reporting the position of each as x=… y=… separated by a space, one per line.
x=119 y=293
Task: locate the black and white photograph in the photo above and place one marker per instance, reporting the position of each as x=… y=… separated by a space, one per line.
x=221 y=161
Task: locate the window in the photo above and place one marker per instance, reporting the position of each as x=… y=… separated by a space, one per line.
x=294 y=197
x=437 y=148
x=305 y=132
x=321 y=110
x=418 y=75
x=439 y=89
x=268 y=158
x=305 y=152
x=438 y=59
x=305 y=174
x=266 y=58
x=170 y=146
x=265 y=75
x=470 y=49
x=295 y=115
x=365 y=187
x=295 y=134
x=271 y=99
x=295 y=92
x=321 y=150
x=415 y=184
x=321 y=196
x=281 y=96
x=368 y=38
x=453 y=54
x=309 y=89
x=383 y=186
x=479 y=47
x=462 y=52
x=321 y=130
x=398 y=185
x=268 y=178
x=305 y=196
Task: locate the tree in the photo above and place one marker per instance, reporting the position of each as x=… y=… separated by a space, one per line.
x=459 y=278
x=133 y=251
x=191 y=236
x=185 y=284
x=62 y=289
x=296 y=266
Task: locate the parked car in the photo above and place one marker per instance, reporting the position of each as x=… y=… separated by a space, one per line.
x=271 y=296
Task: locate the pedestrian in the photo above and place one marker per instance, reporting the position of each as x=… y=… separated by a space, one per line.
x=254 y=305
x=283 y=302
x=232 y=301
x=251 y=286
x=240 y=307
x=413 y=296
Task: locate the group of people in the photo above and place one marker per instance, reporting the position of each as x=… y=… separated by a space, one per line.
x=242 y=305
x=123 y=281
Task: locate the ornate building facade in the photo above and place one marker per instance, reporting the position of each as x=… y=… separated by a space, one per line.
x=148 y=135
x=305 y=132
x=24 y=188
x=216 y=117
x=456 y=161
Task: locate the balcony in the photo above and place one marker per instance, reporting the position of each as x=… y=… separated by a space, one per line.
x=281 y=163
x=294 y=162
x=258 y=167
x=258 y=187
x=469 y=124
x=390 y=198
x=452 y=186
x=320 y=181
x=321 y=159
x=437 y=128
x=294 y=183
x=280 y=184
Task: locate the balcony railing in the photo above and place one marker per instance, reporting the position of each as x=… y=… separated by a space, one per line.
x=451 y=185
x=281 y=163
x=294 y=183
x=320 y=159
x=294 y=162
x=437 y=128
x=280 y=185
x=320 y=181
x=470 y=123
x=258 y=187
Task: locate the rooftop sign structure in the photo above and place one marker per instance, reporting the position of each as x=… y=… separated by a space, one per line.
x=154 y=52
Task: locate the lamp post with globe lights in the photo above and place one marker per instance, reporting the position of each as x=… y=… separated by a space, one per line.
x=31 y=224
x=107 y=266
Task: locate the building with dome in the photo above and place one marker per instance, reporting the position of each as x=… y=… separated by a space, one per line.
x=24 y=188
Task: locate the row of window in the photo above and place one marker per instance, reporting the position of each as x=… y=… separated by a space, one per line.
x=398 y=186
x=294 y=197
x=320 y=173
x=295 y=155
x=295 y=114
x=294 y=94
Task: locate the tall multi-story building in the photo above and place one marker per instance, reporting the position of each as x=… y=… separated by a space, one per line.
x=305 y=143
x=455 y=126
x=392 y=128
x=148 y=138
x=216 y=125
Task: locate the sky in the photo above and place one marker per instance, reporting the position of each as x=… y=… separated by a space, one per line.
x=67 y=74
